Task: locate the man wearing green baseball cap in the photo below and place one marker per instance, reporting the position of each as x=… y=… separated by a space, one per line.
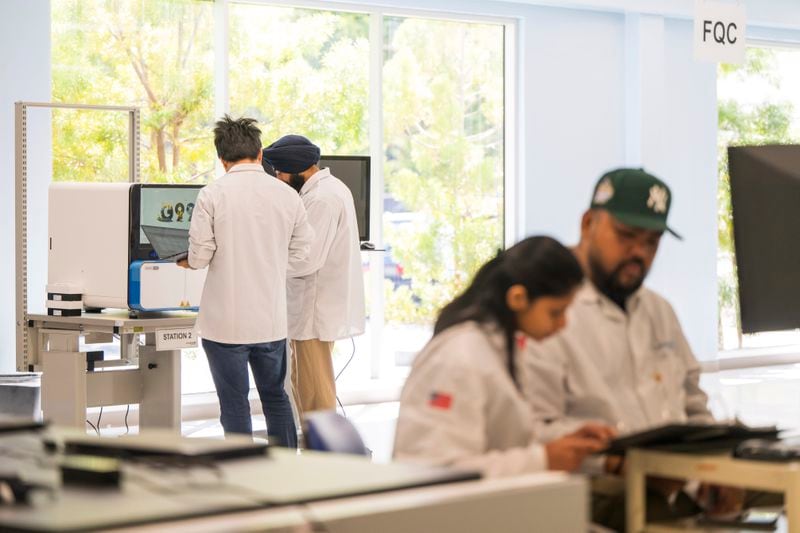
x=622 y=229
x=623 y=359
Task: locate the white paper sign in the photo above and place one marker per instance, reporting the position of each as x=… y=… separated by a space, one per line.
x=719 y=31
x=175 y=339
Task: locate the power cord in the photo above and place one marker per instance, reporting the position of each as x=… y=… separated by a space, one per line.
x=128 y=410
x=93 y=427
x=348 y=361
x=344 y=413
x=100 y=416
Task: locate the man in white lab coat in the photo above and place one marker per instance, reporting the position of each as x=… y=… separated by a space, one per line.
x=325 y=295
x=248 y=229
x=623 y=358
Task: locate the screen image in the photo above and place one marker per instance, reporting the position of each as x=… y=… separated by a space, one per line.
x=354 y=171
x=166 y=207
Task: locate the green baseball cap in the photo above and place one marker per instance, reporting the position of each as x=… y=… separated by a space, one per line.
x=635 y=198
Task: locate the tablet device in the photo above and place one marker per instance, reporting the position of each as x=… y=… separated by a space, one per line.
x=171 y=244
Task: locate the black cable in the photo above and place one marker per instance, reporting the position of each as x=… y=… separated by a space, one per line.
x=128 y=410
x=98 y=420
x=348 y=361
x=93 y=427
x=344 y=413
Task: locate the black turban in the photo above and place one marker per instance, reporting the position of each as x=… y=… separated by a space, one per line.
x=291 y=154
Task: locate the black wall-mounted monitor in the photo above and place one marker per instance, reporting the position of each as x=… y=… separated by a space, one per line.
x=765 y=197
x=354 y=171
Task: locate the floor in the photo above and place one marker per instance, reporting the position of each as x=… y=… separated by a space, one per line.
x=374 y=422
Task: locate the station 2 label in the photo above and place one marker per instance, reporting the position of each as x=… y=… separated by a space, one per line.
x=176 y=338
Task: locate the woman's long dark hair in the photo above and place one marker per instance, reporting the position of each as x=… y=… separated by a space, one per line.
x=540 y=264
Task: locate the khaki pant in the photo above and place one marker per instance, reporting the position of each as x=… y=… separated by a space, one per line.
x=312 y=376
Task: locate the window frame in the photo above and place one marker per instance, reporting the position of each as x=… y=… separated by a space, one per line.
x=741 y=358
x=513 y=185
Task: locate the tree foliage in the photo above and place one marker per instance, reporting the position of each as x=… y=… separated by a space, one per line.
x=443 y=129
x=302 y=71
x=156 y=55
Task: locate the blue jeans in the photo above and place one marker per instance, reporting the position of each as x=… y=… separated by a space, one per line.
x=228 y=364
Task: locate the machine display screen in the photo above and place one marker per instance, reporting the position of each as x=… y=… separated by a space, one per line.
x=166 y=207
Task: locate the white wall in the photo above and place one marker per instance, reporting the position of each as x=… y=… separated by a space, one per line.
x=685 y=271
x=574 y=114
x=614 y=90
x=25 y=75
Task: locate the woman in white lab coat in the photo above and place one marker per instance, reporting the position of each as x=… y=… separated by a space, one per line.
x=461 y=405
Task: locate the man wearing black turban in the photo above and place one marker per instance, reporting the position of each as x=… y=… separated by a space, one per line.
x=292 y=155
x=325 y=298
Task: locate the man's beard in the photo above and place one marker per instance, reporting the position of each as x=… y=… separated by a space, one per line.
x=608 y=283
x=296 y=182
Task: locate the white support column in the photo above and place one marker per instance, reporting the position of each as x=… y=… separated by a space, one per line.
x=64 y=381
x=222 y=102
x=376 y=316
x=670 y=129
x=514 y=175
x=160 y=405
x=644 y=91
x=25 y=40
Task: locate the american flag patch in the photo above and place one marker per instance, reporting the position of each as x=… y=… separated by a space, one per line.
x=522 y=341
x=440 y=400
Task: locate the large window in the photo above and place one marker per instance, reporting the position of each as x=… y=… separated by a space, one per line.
x=443 y=93
x=759 y=103
x=424 y=96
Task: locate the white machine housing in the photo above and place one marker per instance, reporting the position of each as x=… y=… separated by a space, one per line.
x=96 y=244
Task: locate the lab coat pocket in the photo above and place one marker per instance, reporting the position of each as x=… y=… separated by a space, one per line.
x=669 y=371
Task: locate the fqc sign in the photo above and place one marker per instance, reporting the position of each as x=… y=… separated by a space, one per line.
x=722 y=33
x=175 y=338
x=719 y=31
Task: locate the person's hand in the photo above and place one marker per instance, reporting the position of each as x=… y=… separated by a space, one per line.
x=720 y=500
x=183 y=263
x=664 y=485
x=567 y=453
x=615 y=464
x=597 y=431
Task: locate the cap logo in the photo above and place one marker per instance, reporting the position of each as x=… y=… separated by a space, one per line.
x=658 y=199
x=604 y=192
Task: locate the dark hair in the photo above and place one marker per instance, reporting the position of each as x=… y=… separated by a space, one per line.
x=237 y=139
x=540 y=264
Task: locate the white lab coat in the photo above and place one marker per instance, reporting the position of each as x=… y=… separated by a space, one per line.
x=488 y=424
x=631 y=371
x=249 y=228
x=326 y=294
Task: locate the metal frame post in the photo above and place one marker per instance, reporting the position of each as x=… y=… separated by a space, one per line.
x=24 y=360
